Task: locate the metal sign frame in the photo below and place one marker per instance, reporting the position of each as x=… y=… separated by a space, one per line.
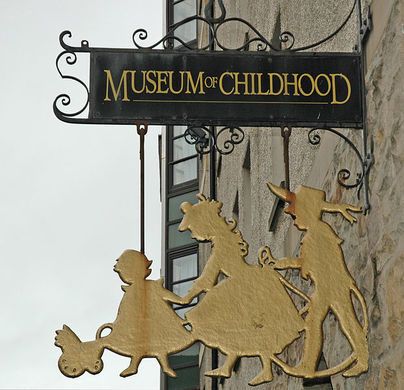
x=202 y=135
x=225 y=89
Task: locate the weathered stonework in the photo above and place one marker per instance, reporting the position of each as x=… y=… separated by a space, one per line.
x=374 y=247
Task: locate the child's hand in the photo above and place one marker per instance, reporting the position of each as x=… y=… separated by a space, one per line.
x=180 y=300
x=185 y=300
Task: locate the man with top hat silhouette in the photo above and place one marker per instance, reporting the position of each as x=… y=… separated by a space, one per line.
x=322 y=261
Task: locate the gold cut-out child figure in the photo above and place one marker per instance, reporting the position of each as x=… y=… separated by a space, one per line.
x=321 y=259
x=146 y=325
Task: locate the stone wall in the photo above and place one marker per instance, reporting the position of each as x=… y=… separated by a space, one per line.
x=374 y=247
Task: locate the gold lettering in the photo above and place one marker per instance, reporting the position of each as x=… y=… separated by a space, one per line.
x=194 y=85
x=238 y=83
x=302 y=91
x=171 y=84
x=115 y=92
x=162 y=82
x=259 y=86
x=334 y=86
x=134 y=82
x=293 y=83
x=151 y=81
x=253 y=92
x=221 y=82
x=271 y=84
x=317 y=84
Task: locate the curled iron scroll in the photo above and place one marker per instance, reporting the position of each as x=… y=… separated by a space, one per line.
x=70 y=58
x=205 y=140
x=286 y=38
x=209 y=11
x=344 y=174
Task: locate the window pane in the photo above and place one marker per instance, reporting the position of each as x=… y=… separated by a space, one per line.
x=179 y=130
x=182 y=148
x=185 y=267
x=181 y=289
x=188 y=357
x=183 y=10
x=176 y=238
x=181 y=312
x=174 y=211
x=185 y=171
x=187 y=379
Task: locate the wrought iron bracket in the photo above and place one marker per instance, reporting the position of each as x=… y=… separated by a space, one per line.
x=224 y=140
x=207 y=139
x=365 y=162
x=216 y=24
x=366 y=25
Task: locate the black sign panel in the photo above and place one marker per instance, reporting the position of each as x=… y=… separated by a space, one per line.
x=226 y=88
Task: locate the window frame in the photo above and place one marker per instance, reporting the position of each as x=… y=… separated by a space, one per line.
x=170 y=21
x=171 y=190
x=181 y=188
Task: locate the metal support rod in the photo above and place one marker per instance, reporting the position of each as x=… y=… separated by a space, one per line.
x=211 y=7
x=142 y=131
x=286 y=133
x=213 y=194
x=368 y=158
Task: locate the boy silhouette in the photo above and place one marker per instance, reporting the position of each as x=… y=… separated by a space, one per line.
x=321 y=259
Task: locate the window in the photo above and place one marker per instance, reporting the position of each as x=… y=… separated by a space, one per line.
x=179 y=10
x=183 y=159
x=181 y=259
x=174 y=203
x=185 y=267
x=181 y=251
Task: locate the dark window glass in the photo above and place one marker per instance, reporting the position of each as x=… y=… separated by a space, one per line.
x=187 y=379
x=188 y=357
x=185 y=267
x=176 y=238
x=185 y=171
x=174 y=211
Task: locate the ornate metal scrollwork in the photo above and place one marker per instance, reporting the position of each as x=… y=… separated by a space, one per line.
x=70 y=57
x=344 y=174
x=206 y=139
x=214 y=25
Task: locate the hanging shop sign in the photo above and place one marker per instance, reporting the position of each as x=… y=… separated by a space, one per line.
x=253 y=311
x=248 y=313
x=222 y=88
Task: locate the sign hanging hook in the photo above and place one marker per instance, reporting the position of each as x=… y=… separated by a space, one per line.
x=286 y=132
x=142 y=131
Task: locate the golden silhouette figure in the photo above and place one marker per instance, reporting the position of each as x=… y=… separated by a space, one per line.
x=322 y=261
x=146 y=325
x=245 y=309
x=249 y=312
